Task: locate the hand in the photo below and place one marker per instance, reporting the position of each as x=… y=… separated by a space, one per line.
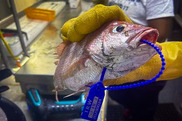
x=172 y=52
x=75 y=29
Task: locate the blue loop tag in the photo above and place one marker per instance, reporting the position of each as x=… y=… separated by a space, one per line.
x=94 y=102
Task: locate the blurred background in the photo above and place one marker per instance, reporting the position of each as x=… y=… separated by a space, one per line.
x=28 y=52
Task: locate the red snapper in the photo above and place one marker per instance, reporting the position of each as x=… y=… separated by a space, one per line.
x=116 y=45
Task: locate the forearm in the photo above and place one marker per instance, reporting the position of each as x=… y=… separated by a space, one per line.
x=163 y=25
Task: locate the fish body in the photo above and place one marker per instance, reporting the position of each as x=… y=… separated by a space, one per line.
x=116 y=45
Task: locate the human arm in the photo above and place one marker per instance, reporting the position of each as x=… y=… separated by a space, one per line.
x=159 y=15
x=163 y=25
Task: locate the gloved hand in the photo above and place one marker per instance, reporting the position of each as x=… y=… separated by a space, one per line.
x=172 y=52
x=75 y=29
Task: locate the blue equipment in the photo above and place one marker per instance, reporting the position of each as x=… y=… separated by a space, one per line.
x=45 y=108
x=96 y=94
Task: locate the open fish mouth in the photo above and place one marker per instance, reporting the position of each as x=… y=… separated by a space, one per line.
x=148 y=34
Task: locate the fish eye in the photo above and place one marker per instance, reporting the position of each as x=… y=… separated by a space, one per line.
x=119 y=28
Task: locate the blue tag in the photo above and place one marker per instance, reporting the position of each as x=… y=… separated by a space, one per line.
x=94 y=102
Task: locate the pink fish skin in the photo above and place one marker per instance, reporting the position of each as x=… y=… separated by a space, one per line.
x=116 y=45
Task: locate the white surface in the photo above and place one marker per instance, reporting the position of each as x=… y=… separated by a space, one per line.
x=32 y=27
x=74 y=3
x=86 y=5
x=139 y=11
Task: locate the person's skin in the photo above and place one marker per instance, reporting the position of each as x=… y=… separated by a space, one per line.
x=163 y=25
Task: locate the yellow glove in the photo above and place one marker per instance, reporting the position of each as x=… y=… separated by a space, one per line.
x=172 y=52
x=75 y=29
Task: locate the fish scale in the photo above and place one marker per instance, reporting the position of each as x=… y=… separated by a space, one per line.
x=81 y=62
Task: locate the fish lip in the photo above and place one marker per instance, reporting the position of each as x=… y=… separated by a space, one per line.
x=150 y=31
x=134 y=42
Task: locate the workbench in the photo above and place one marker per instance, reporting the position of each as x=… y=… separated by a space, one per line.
x=38 y=71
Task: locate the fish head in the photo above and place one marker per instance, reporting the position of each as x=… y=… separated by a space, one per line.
x=129 y=34
x=117 y=47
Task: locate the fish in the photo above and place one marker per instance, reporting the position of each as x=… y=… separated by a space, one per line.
x=115 y=45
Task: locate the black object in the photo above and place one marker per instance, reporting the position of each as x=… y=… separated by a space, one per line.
x=141 y=102
x=45 y=108
x=120 y=28
x=5 y=73
x=165 y=112
x=115 y=113
x=12 y=111
x=12 y=32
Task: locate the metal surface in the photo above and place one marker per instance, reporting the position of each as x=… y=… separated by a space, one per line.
x=39 y=70
x=15 y=15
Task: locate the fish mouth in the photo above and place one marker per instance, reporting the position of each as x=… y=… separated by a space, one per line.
x=147 y=34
